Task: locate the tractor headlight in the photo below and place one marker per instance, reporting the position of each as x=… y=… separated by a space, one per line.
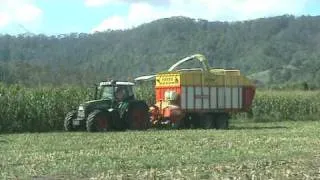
x=81 y=112
x=81 y=108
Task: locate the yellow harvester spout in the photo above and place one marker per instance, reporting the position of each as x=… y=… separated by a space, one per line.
x=198 y=57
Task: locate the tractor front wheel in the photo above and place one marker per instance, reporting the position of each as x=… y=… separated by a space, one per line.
x=97 y=121
x=68 y=120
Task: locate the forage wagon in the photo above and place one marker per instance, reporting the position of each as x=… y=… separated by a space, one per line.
x=198 y=97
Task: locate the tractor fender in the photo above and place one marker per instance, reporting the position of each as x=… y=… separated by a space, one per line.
x=126 y=106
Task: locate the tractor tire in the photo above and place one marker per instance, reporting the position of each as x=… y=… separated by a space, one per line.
x=222 y=121
x=207 y=121
x=98 y=121
x=68 y=120
x=137 y=117
x=116 y=121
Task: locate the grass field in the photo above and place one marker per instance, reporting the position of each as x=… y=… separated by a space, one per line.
x=278 y=150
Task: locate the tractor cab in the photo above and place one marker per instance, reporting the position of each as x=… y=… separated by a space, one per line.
x=117 y=91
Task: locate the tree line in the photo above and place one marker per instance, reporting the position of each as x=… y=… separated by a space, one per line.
x=273 y=51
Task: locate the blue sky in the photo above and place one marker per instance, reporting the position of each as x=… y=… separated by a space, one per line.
x=66 y=16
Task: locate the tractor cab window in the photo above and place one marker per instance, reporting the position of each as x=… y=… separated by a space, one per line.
x=123 y=92
x=106 y=92
x=119 y=92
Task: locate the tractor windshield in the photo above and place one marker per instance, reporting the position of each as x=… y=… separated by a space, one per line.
x=121 y=92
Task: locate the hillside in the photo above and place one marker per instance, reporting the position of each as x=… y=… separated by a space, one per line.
x=277 y=50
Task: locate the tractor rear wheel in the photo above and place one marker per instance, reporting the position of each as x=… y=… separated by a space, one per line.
x=98 y=121
x=68 y=120
x=137 y=117
x=222 y=121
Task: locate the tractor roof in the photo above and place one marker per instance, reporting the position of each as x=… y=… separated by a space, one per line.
x=117 y=83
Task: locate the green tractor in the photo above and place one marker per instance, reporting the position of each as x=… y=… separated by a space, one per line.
x=114 y=108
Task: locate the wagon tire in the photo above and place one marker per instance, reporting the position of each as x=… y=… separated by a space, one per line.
x=207 y=121
x=222 y=121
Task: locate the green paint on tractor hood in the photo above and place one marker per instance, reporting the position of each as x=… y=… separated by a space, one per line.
x=97 y=104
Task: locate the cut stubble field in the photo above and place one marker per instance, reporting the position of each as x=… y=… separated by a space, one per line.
x=278 y=150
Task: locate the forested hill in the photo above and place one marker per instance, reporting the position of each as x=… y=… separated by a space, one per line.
x=283 y=49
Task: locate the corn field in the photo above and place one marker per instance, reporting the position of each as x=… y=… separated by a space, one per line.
x=36 y=109
x=43 y=109
x=286 y=105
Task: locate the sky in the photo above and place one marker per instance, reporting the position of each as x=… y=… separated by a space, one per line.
x=52 y=17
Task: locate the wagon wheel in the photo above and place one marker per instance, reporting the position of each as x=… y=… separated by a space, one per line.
x=195 y=121
x=222 y=121
x=207 y=121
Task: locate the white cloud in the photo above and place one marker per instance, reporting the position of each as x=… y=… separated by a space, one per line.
x=138 y=13
x=250 y=9
x=18 y=11
x=27 y=13
x=97 y=2
x=4 y=19
x=114 y=22
x=143 y=11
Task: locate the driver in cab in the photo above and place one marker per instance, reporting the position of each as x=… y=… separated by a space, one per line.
x=120 y=94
